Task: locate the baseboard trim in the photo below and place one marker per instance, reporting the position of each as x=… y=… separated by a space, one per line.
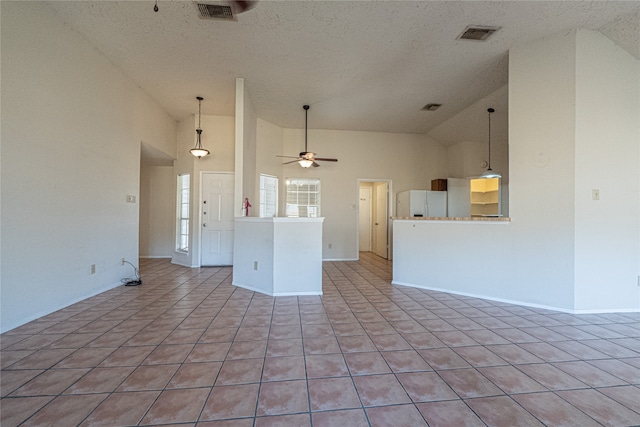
x=275 y=294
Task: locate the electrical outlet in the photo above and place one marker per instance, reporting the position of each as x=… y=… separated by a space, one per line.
x=595 y=194
x=93 y=269
x=131 y=199
x=122 y=261
x=255 y=265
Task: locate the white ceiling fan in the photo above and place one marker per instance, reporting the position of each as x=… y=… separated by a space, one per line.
x=306 y=158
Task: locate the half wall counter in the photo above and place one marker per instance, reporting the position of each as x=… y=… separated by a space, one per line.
x=467 y=256
x=278 y=256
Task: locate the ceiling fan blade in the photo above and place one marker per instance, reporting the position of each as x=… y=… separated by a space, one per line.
x=292 y=161
x=315 y=165
x=288 y=157
x=325 y=159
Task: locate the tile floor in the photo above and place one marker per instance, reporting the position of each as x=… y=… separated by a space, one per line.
x=188 y=348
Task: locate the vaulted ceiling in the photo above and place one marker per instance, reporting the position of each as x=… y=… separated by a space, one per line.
x=363 y=65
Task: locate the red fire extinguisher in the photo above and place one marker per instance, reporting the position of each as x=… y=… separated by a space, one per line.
x=247 y=205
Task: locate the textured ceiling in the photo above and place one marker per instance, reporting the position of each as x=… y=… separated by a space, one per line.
x=361 y=65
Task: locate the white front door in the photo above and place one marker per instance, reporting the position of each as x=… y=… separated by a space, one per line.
x=216 y=247
x=364 y=232
x=381 y=227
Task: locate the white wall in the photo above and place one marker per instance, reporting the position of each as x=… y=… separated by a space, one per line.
x=184 y=164
x=542 y=169
x=72 y=125
x=470 y=128
x=218 y=136
x=157 y=211
x=272 y=254
x=466 y=136
x=410 y=161
x=607 y=149
x=573 y=127
x=246 y=179
x=250 y=179
x=465 y=257
x=270 y=139
x=268 y=145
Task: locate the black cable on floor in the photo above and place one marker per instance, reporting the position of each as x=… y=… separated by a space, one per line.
x=130 y=281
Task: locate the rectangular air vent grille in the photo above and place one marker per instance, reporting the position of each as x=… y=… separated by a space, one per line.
x=217 y=10
x=478 y=33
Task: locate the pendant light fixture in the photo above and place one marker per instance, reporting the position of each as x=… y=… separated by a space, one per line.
x=489 y=173
x=198 y=151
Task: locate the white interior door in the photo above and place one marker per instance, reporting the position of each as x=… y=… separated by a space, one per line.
x=364 y=224
x=216 y=246
x=381 y=219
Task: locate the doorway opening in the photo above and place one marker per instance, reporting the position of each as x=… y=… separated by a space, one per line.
x=374 y=210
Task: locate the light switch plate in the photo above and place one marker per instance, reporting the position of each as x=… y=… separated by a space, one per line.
x=131 y=199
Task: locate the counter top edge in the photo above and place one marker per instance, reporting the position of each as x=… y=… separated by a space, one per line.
x=471 y=219
x=277 y=219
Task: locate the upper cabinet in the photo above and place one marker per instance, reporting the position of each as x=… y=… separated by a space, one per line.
x=485 y=197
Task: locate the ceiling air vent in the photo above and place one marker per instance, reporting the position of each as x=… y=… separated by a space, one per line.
x=215 y=10
x=478 y=33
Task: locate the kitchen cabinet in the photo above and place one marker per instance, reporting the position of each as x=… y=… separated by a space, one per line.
x=438 y=185
x=485 y=197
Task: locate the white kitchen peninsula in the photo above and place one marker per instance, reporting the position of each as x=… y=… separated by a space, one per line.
x=468 y=256
x=278 y=256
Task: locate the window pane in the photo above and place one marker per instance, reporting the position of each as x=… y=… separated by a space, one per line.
x=303 y=197
x=268 y=196
x=182 y=214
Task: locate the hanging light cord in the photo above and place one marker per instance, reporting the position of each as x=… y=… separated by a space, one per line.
x=306 y=112
x=490 y=110
x=200 y=110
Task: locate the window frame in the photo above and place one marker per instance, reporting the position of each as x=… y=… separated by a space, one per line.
x=313 y=210
x=183 y=213
x=268 y=208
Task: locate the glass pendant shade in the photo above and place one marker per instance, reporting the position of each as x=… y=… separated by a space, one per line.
x=199 y=152
x=305 y=163
x=490 y=174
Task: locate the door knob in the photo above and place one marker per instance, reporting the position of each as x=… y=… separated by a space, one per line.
x=204 y=224
x=376 y=223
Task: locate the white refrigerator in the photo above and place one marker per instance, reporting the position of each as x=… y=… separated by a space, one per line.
x=459 y=199
x=423 y=203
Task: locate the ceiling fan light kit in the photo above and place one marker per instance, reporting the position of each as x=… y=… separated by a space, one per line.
x=198 y=151
x=306 y=159
x=489 y=173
